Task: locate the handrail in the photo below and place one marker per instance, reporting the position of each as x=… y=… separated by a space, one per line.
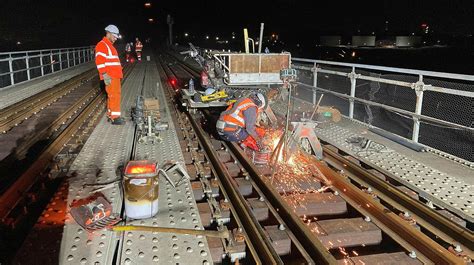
x=419 y=86
x=47 y=60
x=42 y=50
x=392 y=69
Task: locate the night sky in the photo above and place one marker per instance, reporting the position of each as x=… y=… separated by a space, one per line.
x=52 y=23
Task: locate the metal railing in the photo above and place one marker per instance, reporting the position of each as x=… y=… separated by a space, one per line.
x=21 y=66
x=452 y=89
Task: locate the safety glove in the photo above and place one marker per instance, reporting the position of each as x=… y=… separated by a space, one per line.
x=107 y=79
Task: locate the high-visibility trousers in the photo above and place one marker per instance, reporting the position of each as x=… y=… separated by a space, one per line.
x=113 y=99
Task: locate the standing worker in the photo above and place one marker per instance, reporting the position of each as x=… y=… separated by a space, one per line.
x=128 y=51
x=238 y=123
x=110 y=70
x=138 y=48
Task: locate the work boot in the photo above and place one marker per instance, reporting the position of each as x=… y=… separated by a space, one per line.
x=118 y=121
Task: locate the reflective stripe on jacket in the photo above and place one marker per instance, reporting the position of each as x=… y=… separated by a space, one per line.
x=107 y=59
x=234 y=115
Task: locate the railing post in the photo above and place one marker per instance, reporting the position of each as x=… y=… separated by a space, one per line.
x=315 y=81
x=74 y=56
x=68 y=59
x=10 y=65
x=41 y=63
x=51 y=60
x=419 y=88
x=353 y=78
x=61 y=59
x=28 y=66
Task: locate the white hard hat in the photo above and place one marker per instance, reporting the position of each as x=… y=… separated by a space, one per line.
x=262 y=99
x=114 y=30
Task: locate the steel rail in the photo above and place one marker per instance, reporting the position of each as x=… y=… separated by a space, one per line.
x=437 y=221
x=16 y=113
x=254 y=231
x=308 y=240
x=425 y=245
x=12 y=196
x=421 y=242
x=265 y=254
x=59 y=121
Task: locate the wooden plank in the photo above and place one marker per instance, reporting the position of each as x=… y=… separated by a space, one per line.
x=259 y=209
x=296 y=185
x=216 y=248
x=280 y=240
x=244 y=186
x=205 y=213
x=350 y=232
x=274 y=63
x=316 y=204
x=243 y=63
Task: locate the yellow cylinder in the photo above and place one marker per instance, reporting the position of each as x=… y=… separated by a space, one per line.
x=246 y=41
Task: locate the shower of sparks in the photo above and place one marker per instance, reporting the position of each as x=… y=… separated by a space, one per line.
x=295 y=175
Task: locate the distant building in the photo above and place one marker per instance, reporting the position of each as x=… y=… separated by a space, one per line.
x=363 y=41
x=407 y=41
x=330 y=40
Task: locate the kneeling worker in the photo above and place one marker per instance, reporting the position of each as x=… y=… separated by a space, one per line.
x=239 y=122
x=110 y=70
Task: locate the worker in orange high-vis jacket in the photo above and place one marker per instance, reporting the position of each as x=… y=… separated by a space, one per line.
x=239 y=122
x=138 y=48
x=110 y=71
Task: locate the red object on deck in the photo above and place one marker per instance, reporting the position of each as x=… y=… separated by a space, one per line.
x=140 y=167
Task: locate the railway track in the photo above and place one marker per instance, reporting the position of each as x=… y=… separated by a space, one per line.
x=286 y=214
x=343 y=221
x=68 y=115
x=15 y=114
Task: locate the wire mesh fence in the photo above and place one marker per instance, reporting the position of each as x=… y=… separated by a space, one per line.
x=387 y=99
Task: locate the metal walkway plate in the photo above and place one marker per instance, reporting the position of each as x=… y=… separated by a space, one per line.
x=108 y=147
x=176 y=206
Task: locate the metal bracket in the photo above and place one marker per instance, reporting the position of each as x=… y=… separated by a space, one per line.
x=178 y=167
x=305 y=130
x=353 y=75
x=315 y=69
x=419 y=86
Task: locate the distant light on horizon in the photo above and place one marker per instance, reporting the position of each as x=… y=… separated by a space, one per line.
x=186 y=34
x=217 y=38
x=207 y=37
x=147 y=4
x=151 y=20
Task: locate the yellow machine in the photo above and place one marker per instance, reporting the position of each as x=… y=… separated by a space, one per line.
x=215 y=96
